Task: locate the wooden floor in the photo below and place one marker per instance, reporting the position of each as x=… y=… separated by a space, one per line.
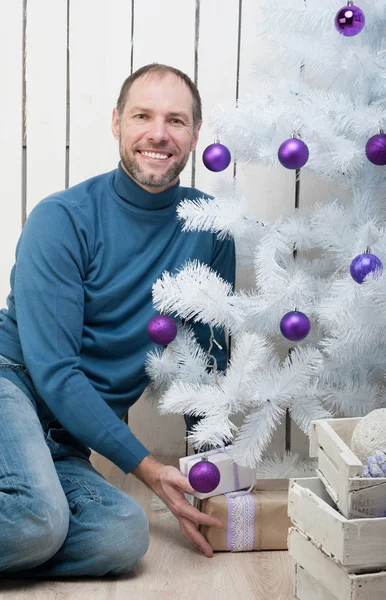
x=171 y=569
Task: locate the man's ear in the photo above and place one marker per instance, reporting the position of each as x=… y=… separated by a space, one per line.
x=195 y=137
x=115 y=124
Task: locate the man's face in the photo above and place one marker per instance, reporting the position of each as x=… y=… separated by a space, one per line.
x=155 y=132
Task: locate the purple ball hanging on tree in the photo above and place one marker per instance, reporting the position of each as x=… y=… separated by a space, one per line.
x=293 y=153
x=162 y=329
x=204 y=476
x=295 y=326
x=350 y=20
x=216 y=157
x=363 y=265
x=376 y=149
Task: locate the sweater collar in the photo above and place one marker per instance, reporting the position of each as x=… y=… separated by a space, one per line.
x=134 y=194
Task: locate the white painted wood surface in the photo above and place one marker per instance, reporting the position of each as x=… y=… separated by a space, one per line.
x=46 y=73
x=340 y=470
x=357 y=544
x=216 y=78
x=345 y=586
x=307 y=587
x=101 y=52
x=271 y=192
x=100 y=58
x=11 y=120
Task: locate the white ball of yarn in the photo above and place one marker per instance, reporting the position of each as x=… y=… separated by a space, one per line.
x=369 y=435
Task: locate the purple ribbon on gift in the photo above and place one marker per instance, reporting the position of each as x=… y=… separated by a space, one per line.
x=235 y=467
x=241 y=521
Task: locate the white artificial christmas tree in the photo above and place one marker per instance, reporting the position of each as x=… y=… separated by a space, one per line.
x=334 y=102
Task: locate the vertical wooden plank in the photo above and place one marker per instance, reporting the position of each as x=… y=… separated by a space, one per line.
x=271 y=191
x=11 y=127
x=164 y=32
x=100 y=58
x=217 y=73
x=158 y=39
x=46 y=72
x=162 y=434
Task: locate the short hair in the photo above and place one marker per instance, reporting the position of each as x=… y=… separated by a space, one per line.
x=156 y=68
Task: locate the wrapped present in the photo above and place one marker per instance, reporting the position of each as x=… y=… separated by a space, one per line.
x=254 y=520
x=232 y=476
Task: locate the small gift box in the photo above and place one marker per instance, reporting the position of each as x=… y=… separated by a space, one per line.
x=232 y=476
x=254 y=520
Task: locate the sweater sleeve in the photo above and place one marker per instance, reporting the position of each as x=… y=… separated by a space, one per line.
x=52 y=259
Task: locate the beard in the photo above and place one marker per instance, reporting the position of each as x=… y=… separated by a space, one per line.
x=135 y=170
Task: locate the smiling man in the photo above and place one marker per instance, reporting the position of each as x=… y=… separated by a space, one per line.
x=73 y=344
x=157 y=131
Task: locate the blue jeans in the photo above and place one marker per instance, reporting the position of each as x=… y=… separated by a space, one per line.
x=58 y=515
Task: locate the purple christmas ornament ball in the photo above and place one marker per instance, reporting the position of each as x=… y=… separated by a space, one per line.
x=204 y=476
x=376 y=149
x=162 y=329
x=216 y=157
x=293 y=153
x=350 y=20
x=295 y=326
x=364 y=264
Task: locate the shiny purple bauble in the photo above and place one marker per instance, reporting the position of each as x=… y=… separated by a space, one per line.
x=376 y=149
x=350 y=20
x=293 y=153
x=295 y=326
x=216 y=157
x=162 y=329
x=364 y=264
x=204 y=477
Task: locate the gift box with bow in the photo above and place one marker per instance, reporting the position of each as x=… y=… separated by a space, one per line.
x=232 y=476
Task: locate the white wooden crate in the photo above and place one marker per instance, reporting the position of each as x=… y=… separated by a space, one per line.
x=307 y=587
x=357 y=544
x=331 y=576
x=340 y=470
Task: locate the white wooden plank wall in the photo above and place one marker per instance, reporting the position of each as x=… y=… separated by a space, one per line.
x=70 y=93
x=99 y=62
x=11 y=137
x=216 y=76
x=46 y=72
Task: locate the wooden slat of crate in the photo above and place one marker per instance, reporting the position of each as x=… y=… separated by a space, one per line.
x=307 y=587
x=345 y=586
x=358 y=544
x=340 y=470
x=367 y=497
x=327 y=470
x=332 y=442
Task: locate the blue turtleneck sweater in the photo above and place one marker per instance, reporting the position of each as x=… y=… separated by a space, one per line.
x=81 y=299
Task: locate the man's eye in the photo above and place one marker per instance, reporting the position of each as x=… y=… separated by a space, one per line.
x=177 y=121
x=140 y=117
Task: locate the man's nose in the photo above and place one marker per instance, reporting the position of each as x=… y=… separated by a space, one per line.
x=158 y=130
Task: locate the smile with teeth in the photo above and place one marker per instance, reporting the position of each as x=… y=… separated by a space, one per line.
x=155 y=155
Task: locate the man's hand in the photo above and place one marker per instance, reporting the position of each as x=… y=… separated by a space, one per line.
x=168 y=483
